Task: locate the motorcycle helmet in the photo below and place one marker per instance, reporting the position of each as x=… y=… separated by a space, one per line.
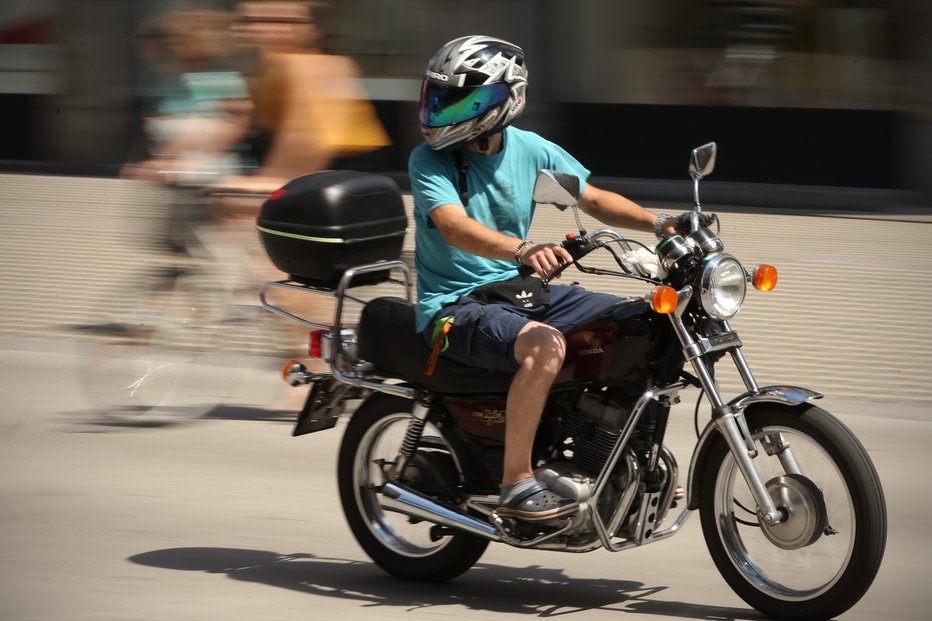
x=473 y=87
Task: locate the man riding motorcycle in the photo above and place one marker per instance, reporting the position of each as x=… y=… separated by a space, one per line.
x=472 y=183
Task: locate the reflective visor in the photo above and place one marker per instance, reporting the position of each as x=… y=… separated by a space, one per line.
x=448 y=105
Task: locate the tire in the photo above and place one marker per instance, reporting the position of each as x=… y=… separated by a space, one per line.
x=401 y=546
x=798 y=570
x=173 y=350
x=151 y=361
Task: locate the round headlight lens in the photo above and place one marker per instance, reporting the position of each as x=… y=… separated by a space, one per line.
x=723 y=286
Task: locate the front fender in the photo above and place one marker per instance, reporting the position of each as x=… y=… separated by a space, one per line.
x=789 y=396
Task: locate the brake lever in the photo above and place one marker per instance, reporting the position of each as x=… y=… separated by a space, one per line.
x=557 y=272
x=578 y=246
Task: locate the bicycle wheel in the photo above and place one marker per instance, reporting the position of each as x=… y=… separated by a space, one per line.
x=154 y=360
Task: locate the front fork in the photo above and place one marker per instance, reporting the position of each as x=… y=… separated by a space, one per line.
x=728 y=418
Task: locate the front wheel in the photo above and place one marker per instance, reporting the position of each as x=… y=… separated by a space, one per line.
x=821 y=559
x=402 y=546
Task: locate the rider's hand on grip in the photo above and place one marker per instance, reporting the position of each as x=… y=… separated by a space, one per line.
x=684 y=222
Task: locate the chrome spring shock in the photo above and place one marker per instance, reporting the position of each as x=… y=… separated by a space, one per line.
x=411 y=440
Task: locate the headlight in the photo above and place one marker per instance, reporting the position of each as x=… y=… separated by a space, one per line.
x=722 y=286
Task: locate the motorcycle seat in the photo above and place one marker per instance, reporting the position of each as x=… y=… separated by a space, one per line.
x=387 y=339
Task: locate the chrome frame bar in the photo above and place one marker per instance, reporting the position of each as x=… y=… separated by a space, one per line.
x=336 y=327
x=605 y=534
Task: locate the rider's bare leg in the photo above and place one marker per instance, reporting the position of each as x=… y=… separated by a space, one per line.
x=539 y=350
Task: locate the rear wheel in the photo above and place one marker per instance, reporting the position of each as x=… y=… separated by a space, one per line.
x=824 y=556
x=402 y=546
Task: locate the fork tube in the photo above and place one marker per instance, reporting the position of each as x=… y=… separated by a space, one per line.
x=744 y=370
x=727 y=423
x=734 y=429
x=732 y=426
x=777 y=444
x=742 y=364
x=698 y=365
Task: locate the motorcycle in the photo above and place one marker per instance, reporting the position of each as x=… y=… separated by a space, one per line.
x=791 y=507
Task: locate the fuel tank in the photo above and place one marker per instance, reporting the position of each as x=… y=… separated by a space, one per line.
x=615 y=347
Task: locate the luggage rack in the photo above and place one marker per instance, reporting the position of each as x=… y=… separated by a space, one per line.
x=336 y=328
x=339 y=293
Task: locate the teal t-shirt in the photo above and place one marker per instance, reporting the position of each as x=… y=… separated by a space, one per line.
x=500 y=190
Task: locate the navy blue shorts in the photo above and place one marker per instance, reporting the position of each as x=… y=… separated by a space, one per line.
x=484 y=335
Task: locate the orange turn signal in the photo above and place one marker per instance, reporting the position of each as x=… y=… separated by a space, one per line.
x=664 y=300
x=290 y=367
x=765 y=277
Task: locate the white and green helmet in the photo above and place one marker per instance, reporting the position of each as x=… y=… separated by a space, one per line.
x=473 y=87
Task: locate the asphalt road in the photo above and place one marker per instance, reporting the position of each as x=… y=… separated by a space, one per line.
x=228 y=517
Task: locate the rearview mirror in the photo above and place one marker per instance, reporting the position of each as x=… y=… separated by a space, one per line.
x=556 y=188
x=702 y=162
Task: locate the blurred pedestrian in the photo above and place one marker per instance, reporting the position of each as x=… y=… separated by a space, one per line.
x=310 y=107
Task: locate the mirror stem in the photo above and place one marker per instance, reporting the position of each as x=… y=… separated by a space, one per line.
x=582 y=231
x=696 y=194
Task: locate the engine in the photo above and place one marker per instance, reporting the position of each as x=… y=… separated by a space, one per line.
x=589 y=433
x=594 y=426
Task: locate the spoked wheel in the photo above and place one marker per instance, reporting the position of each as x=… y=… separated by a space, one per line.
x=823 y=557
x=154 y=359
x=402 y=546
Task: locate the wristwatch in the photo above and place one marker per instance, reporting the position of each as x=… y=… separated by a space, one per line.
x=659 y=224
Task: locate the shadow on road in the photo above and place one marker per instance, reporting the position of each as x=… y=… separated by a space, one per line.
x=532 y=590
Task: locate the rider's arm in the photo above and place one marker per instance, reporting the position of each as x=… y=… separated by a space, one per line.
x=465 y=233
x=616 y=210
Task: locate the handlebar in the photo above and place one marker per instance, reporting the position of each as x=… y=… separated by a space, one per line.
x=581 y=245
x=577 y=246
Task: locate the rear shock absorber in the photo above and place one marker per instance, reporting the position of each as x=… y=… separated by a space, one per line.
x=411 y=440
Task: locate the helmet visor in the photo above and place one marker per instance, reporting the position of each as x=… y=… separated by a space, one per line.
x=448 y=105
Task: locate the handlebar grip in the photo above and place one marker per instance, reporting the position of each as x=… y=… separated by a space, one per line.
x=577 y=248
x=525 y=270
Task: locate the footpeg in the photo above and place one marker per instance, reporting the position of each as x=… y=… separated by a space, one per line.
x=523 y=534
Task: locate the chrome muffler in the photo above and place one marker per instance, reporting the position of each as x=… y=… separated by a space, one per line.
x=396 y=497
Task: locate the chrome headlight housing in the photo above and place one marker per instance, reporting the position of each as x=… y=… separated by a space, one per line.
x=722 y=286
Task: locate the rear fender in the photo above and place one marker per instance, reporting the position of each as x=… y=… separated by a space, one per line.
x=790 y=396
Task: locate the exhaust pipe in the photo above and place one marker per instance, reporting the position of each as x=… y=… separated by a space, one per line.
x=397 y=497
